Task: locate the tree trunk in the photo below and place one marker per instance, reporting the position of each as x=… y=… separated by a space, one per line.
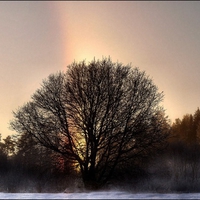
x=90 y=181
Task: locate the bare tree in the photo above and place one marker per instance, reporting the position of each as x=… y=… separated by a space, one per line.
x=98 y=115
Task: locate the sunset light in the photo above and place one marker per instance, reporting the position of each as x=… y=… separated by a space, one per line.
x=100 y=99
x=45 y=37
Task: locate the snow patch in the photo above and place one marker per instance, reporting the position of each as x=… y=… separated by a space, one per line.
x=99 y=195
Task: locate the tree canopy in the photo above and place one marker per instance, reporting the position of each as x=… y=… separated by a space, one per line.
x=98 y=115
x=187 y=129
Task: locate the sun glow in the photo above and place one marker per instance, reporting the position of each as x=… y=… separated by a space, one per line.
x=80 y=43
x=59 y=10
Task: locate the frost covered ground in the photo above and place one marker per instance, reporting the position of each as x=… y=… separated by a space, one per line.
x=99 y=195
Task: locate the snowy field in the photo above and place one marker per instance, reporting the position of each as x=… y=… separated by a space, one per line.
x=98 y=195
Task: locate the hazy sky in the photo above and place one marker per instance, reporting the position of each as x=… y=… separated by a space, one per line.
x=38 y=38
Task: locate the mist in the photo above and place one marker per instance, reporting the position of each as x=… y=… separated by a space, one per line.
x=165 y=174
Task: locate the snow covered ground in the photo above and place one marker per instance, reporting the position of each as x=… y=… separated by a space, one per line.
x=99 y=195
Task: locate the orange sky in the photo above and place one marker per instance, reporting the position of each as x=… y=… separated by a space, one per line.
x=43 y=37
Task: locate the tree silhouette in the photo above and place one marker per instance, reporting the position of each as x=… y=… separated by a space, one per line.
x=3 y=156
x=98 y=115
x=187 y=130
x=185 y=144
